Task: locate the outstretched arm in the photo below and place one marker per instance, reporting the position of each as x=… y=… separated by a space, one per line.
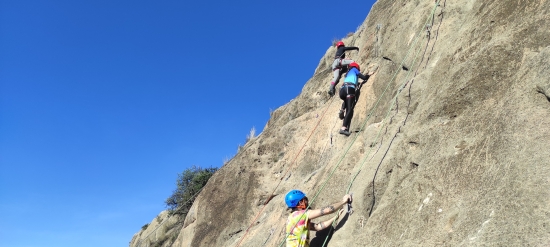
x=351 y=48
x=324 y=224
x=314 y=213
x=364 y=77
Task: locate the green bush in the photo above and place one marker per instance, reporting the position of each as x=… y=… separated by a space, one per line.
x=144 y=227
x=189 y=183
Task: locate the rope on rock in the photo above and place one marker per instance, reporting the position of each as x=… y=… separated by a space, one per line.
x=338 y=163
x=362 y=128
x=282 y=177
x=248 y=228
x=398 y=92
x=394 y=99
x=349 y=147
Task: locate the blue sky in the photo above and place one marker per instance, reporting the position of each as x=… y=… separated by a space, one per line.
x=103 y=103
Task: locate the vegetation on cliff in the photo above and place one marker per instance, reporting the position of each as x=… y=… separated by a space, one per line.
x=188 y=185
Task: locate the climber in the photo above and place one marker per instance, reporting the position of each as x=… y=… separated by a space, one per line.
x=298 y=223
x=340 y=64
x=348 y=93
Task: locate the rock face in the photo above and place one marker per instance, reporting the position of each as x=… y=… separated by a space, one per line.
x=162 y=231
x=451 y=141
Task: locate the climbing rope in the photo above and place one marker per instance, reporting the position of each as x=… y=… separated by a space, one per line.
x=332 y=172
x=282 y=177
x=362 y=127
x=399 y=91
x=394 y=99
x=249 y=144
x=324 y=155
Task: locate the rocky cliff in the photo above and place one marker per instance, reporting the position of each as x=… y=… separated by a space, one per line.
x=450 y=142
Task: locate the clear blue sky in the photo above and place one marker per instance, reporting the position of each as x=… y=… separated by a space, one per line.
x=103 y=103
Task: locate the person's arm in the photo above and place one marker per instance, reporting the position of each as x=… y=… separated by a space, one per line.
x=324 y=224
x=364 y=77
x=314 y=213
x=351 y=48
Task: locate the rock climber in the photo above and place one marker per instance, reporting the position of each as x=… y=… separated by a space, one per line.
x=298 y=223
x=348 y=93
x=340 y=64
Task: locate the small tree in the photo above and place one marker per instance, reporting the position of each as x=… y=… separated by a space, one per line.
x=189 y=183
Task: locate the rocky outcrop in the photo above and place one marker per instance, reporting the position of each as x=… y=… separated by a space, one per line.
x=161 y=232
x=451 y=142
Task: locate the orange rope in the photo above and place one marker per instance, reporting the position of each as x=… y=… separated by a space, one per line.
x=291 y=166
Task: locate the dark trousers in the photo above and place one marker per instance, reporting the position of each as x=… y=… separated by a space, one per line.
x=347 y=94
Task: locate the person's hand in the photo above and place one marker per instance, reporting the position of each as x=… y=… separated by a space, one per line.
x=347 y=198
x=371 y=73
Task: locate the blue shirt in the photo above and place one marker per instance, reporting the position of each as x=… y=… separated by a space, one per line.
x=351 y=76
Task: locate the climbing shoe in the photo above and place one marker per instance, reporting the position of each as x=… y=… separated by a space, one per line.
x=345 y=132
x=331 y=91
x=341 y=114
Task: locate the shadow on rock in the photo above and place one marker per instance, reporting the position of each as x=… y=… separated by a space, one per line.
x=327 y=233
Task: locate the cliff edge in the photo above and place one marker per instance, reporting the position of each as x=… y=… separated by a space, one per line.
x=450 y=142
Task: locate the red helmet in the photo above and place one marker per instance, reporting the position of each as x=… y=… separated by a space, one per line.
x=354 y=64
x=340 y=43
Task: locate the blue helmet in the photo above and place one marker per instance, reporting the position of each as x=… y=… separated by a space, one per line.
x=293 y=197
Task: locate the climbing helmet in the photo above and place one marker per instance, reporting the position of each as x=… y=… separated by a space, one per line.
x=354 y=64
x=340 y=43
x=293 y=197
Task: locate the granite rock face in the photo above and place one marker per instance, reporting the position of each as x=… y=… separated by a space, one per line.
x=450 y=143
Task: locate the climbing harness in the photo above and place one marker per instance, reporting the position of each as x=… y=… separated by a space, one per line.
x=334 y=169
x=365 y=122
x=291 y=166
x=399 y=89
x=347 y=150
x=393 y=100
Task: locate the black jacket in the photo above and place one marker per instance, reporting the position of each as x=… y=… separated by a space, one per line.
x=341 y=51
